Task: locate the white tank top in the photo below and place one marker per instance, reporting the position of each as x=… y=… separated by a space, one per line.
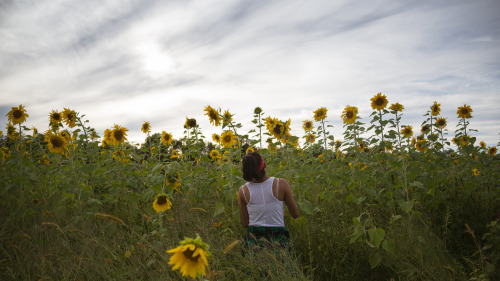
x=263 y=208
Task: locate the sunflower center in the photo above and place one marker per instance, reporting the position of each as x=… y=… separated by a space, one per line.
x=308 y=125
x=464 y=111
x=17 y=113
x=191 y=123
x=166 y=137
x=435 y=108
x=56 y=116
x=118 y=134
x=349 y=114
x=319 y=113
x=145 y=126
x=407 y=131
x=161 y=200
x=189 y=254
x=379 y=101
x=277 y=129
x=56 y=141
x=70 y=117
x=213 y=115
x=441 y=122
x=227 y=138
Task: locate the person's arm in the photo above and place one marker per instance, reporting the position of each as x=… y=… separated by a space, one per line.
x=288 y=199
x=242 y=204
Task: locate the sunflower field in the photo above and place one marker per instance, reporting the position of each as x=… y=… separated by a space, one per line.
x=387 y=202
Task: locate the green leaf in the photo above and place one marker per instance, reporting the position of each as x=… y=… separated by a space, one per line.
x=389 y=246
x=405 y=206
x=305 y=206
x=219 y=209
x=375 y=259
x=376 y=236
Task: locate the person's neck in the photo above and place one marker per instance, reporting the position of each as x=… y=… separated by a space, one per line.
x=262 y=180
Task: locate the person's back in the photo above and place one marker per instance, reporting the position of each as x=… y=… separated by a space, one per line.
x=261 y=202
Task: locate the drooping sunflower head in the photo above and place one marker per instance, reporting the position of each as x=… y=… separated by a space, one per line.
x=216 y=138
x=66 y=135
x=361 y=146
x=214 y=154
x=190 y=123
x=227 y=117
x=464 y=140
x=310 y=138
x=191 y=257
x=107 y=136
x=320 y=113
x=349 y=114
x=56 y=142
x=228 y=139
x=55 y=118
x=269 y=121
x=407 y=131
x=146 y=127
x=464 y=111
x=69 y=117
x=441 y=122
x=118 y=135
x=249 y=150
x=17 y=115
x=435 y=109
x=379 y=101
x=492 y=151
x=454 y=140
x=307 y=125
x=161 y=203
x=425 y=129
x=338 y=144
x=257 y=111
x=166 y=138
x=397 y=107
x=213 y=115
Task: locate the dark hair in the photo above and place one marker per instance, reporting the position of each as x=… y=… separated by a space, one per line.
x=251 y=162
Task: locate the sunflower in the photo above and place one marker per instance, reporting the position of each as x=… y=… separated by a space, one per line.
x=191 y=257
x=396 y=107
x=55 y=118
x=214 y=154
x=307 y=125
x=320 y=114
x=278 y=130
x=492 y=151
x=482 y=144
x=407 y=131
x=227 y=139
x=57 y=143
x=349 y=114
x=228 y=117
x=66 y=135
x=388 y=146
x=213 y=115
x=35 y=132
x=171 y=179
x=5 y=153
x=216 y=138
x=425 y=129
x=11 y=131
x=435 y=109
x=166 y=138
x=1 y=133
x=379 y=101
x=257 y=110
x=161 y=203
x=174 y=154
x=421 y=145
x=249 y=150
x=269 y=121
x=338 y=144
x=310 y=138
x=17 y=115
x=464 y=111
x=107 y=136
x=69 y=117
x=146 y=127
x=361 y=146
x=121 y=156
x=475 y=172
x=454 y=140
x=118 y=135
x=464 y=140
x=441 y=122
x=190 y=123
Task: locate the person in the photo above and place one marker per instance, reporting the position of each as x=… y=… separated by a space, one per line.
x=260 y=202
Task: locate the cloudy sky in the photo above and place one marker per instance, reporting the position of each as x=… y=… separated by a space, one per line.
x=129 y=61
